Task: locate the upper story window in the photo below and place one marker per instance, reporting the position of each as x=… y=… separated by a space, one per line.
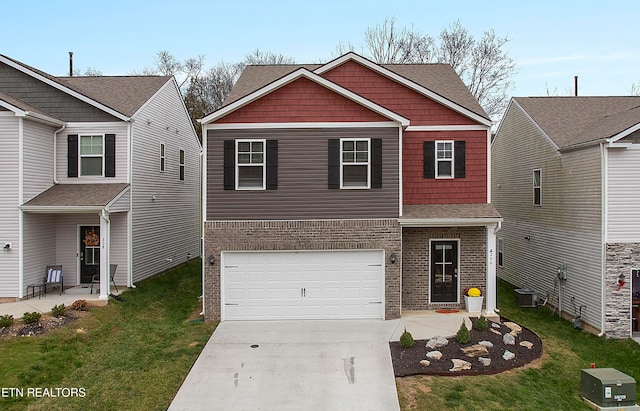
x=181 y=165
x=537 y=187
x=444 y=159
x=161 y=157
x=250 y=164
x=356 y=161
x=91 y=155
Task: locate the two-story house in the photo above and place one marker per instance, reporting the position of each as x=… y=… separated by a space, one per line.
x=565 y=177
x=346 y=190
x=94 y=171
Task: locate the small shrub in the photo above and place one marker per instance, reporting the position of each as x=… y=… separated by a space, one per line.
x=32 y=317
x=406 y=339
x=463 y=336
x=6 y=320
x=58 y=310
x=481 y=324
x=79 y=305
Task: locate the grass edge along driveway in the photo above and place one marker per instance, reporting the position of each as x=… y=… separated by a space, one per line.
x=129 y=355
x=550 y=383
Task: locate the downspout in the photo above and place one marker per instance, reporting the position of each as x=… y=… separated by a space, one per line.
x=130 y=213
x=203 y=207
x=55 y=153
x=604 y=164
x=21 y=212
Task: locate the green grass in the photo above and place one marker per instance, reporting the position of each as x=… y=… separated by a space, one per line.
x=129 y=355
x=552 y=383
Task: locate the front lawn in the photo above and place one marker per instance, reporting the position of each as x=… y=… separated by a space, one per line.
x=128 y=355
x=551 y=383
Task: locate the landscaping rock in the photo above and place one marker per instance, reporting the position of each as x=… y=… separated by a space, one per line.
x=460 y=365
x=508 y=355
x=515 y=328
x=509 y=339
x=474 y=350
x=495 y=325
x=487 y=344
x=485 y=361
x=426 y=363
x=527 y=344
x=436 y=342
x=434 y=355
x=495 y=331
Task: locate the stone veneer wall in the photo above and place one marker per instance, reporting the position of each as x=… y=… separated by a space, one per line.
x=301 y=235
x=416 y=271
x=620 y=259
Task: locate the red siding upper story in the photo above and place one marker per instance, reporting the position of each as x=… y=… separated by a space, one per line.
x=302 y=101
x=469 y=190
x=420 y=110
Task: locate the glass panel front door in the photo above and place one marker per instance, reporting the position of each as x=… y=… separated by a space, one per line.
x=89 y=253
x=444 y=271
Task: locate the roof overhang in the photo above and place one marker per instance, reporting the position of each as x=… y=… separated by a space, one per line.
x=449 y=222
x=73 y=198
x=405 y=82
x=305 y=73
x=449 y=215
x=36 y=116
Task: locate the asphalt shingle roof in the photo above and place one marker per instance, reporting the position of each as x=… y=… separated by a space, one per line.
x=570 y=121
x=77 y=195
x=449 y=211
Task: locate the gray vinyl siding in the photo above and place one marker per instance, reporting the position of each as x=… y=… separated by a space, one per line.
x=302 y=191
x=9 y=214
x=122 y=152
x=165 y=230
x=37 y=159
x=566 y=228
x=49 y=99
x=40 y=239
x=623 y=196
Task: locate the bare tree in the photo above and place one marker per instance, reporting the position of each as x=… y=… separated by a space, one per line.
x=260 y=57
x=483 y=65
x=635 y=89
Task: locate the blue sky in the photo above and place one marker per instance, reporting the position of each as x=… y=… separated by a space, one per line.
x=552 y=41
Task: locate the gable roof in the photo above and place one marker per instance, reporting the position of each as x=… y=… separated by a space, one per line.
x=571 y=121
x=120 y=96
x=437 y=81
x=63 y=197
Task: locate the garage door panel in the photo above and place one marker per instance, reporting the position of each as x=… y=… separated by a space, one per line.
x=299 y=285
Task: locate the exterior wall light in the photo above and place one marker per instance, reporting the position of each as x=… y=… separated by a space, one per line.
x=392 y=258
x=212 y=259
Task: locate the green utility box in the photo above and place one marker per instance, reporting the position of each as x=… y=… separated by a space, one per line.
x=608 y=387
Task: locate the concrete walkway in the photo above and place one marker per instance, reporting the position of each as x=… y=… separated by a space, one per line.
x=304 y=365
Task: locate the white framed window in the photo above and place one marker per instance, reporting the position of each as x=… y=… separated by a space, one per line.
x=500 y=251
x=537 y=187
x=181 y=165
x=91 y=155
x=355 y=163
x=250 y=164
x=444 y=159
x=162 y=158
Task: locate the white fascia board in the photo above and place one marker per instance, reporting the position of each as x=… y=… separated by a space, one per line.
x=61 y=209
x=36 y=116
x=404 y=81
x=623 y=134
x=549 y=139
x=302 y=72
x=95 y=124
x=64 y=89
x=475 y=127
x=449 y=222
x=116 y=198
x=250 y=126
x=12 y=108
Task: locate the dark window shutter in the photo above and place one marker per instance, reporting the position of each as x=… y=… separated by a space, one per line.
x=334 y=163
x=229 y=165
x=459 y=159
x=429 y=159
x=376 y=163
x=72 y=155
x=110 y=155
x=272 y=164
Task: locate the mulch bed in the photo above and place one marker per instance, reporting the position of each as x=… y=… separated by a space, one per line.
x=46 y=323
x=406 y=361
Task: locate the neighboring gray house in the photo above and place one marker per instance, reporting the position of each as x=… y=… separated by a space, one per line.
x=566 y=179
x=94 y=171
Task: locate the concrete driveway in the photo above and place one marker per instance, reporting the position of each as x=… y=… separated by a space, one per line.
x=293 y=365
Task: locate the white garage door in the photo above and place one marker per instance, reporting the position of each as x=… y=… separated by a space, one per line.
x=302 y=285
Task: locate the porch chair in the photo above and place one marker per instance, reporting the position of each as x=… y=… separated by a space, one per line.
x=112 y=273
x=53 y=275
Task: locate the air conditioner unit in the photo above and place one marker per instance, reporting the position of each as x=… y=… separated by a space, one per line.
x=525 y=297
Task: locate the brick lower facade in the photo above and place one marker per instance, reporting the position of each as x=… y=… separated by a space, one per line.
x=620 y=259
x=416 y=270
x=302 y=235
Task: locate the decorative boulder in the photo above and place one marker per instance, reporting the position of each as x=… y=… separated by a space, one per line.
x=509 y=339
x=460 y=365
x=508 y=355
x=434 y=355
x=436 y=342
x=474 y=350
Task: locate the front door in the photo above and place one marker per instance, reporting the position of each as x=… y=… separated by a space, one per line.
x=444 y=271
x=89 y=253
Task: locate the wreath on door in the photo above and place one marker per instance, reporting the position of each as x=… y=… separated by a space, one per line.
x=91 y=239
